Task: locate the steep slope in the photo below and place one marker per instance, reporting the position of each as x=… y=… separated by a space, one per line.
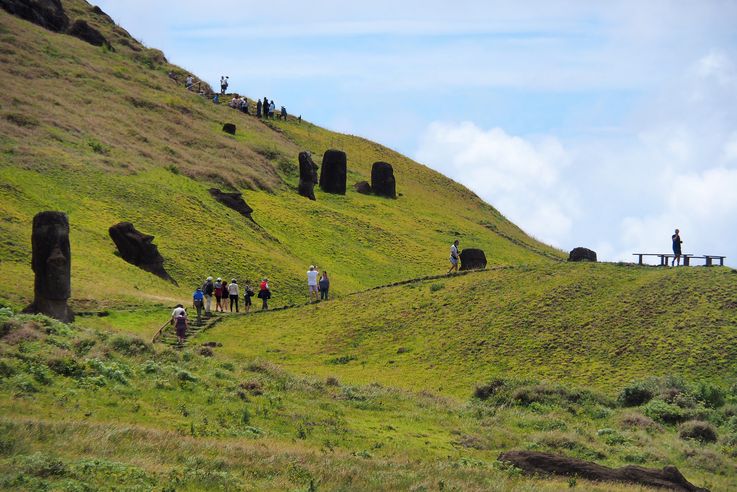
x=107 y=136
x=588 y=324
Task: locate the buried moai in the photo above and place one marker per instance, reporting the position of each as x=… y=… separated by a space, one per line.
x=472 y=259
x=383 y=182
x=52 y=266
x=333 y=172
x=234 y=201
x=138 y=249
x=307 y=175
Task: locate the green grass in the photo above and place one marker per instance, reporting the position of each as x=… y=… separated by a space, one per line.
x=80 y=406
x=593 y=325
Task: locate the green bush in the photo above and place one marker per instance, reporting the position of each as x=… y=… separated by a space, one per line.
x=183 y=375
x=709 y=394
x=43 y=465
x=6 y=370
x=66 y=366
x=698 y=430
x=130 y=345
x=665 y=413
x=636 y=394
x=485 y=391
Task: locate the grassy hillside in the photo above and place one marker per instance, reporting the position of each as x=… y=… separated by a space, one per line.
x=588 y=324
x=82 y=410
x=106 y=136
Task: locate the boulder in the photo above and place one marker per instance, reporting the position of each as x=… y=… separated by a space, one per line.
x=52 y=265
x=229 y=128
x=333 y=172
x=101 y=13
x=307 y=175
x=80 y=29
x=382 y=180
x=538 y=463
x=363 y=187
x=234 y=201
x=582 y=254
x=46 y=13
x=138 y=249
x=472 y=259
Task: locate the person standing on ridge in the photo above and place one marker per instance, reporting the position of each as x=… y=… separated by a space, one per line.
x=189 y=82
x=312 y=282
x=676 y=248
x=324 y=285
x=272 y=109
x=197 y=301
x=454 y=258
x=207 y=289
x=266 y=108
x=258 y=108
x=233 y=292
x=223 y=84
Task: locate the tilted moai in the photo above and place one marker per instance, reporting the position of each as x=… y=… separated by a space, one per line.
x=138 y=249
x=52 y=265
x=333 y=172
x=307 y=175
x=472 y=259
x=382 y=180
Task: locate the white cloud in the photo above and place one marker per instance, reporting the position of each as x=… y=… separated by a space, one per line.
x=519 y=176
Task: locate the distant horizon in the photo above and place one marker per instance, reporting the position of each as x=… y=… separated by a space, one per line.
x=602 y=126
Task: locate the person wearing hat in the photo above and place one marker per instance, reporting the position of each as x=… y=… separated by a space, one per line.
x=219 y=288
x=233 y=293
x=207 y=289
x=312 y=274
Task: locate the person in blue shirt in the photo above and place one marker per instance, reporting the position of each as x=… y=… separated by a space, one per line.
x=197 y=302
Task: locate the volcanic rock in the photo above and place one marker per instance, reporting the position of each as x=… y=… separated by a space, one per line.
x=363 y=187
x=472 y=259
x=138 y=249
x=80 y=29
x=382 y=180
x=52 y=265
x=582 y=254
x=333 y=172
x=538 y=463
x=307 y=175
x=229 y=128
x=234 y=201
x=46 y=13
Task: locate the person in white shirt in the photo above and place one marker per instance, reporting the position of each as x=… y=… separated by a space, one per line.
x=233 y=293
x=454 y=258
x=312 y=281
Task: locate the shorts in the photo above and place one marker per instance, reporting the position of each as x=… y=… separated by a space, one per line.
x=247 y=300
x=453 y=261
x=313 y=288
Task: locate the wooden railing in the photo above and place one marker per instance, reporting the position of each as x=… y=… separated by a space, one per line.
x=160 y=331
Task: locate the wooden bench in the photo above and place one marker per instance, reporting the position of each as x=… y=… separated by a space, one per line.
x=664 y=257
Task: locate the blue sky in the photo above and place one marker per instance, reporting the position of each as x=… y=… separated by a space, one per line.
x=598 y=124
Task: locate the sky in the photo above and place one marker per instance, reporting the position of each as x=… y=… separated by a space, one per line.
x=598 y=124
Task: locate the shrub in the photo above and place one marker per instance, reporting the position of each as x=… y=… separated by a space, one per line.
x=66 y=366
x=343 y=359
x=332 y=381
x=636 y=394
x=698 y=430
x=665 y=413
x=638 y=421
x=83 y=346
x=6 y=370
x=710 y=395
x=436 y=287
x=129 y=345
x=183 y=375
x=489 y=389
x=43 y=465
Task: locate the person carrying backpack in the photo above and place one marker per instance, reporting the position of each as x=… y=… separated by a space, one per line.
x=247 y=294
x=197 y=303
x=180 y=325
x=264 y=294
x=219 y=295
x=233 y=293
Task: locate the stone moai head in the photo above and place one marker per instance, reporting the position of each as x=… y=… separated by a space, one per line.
x=52 y=259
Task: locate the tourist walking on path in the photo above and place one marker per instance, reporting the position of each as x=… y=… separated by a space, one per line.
x=272 y=109
x=189 y=82
x=198 y=299
x=219 y=305
x=207 y=290
x=312 y=274
x=180 y=326
x=324 y=286
x=178 y=309
x=233 y=292
x=676 y=248
x=264 y=293
x=454 y=258
x=247 y=294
